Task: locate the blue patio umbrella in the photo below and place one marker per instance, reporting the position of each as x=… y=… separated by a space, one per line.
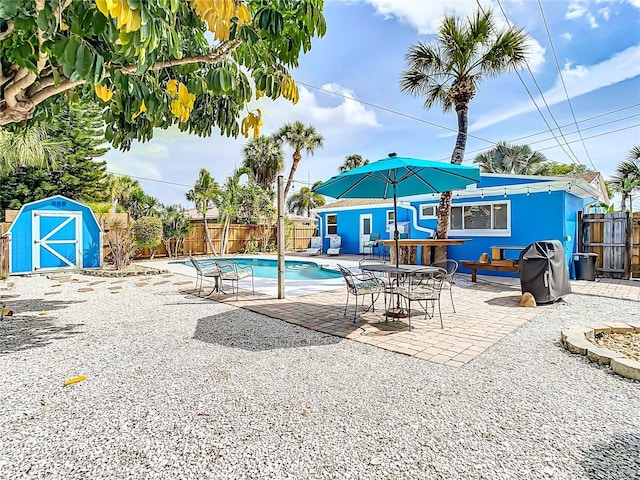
x=394 y=177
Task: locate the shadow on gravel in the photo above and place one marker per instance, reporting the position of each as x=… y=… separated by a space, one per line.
x=24 y=330
x=620 y=458
x=235 y=329
x=23 y=333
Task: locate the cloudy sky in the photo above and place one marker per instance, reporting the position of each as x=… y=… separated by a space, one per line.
x=577 y=102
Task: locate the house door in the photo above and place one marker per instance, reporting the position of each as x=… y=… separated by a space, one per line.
x=57 y=240
x=365 y=230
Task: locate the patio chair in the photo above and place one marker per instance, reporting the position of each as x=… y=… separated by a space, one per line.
x=315 y=247
x=372 y=244
x=206 y=268
x=359 y=284
x=425 y=289
x=451 y=266
x=335 y=245
x=230 y=270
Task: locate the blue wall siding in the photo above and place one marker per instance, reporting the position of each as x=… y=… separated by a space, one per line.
x=534 y=217
x=22 y=234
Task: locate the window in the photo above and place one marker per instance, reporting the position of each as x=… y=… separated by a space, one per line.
x=481 y=219
x=332 y=224
x=428 y=211
x=390 y=220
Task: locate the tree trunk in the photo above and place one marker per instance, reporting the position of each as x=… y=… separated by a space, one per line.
x=444 y=209
x=207 y=236
x=294 y=166
x=225 y=236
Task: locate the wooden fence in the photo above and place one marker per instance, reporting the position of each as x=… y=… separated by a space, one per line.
x=241 y=239
x=615 y=238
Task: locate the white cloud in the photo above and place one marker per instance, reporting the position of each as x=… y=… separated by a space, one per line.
x=426 y=17
x=576 y=9
x=579 y=80
x=605 y=13
x=567 y=36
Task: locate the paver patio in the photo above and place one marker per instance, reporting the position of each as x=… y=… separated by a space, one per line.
x=486 y=312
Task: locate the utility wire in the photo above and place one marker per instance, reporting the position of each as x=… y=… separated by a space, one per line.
x=564 y=86
x=575 y=158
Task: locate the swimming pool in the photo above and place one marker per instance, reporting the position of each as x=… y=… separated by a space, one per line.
x=293 y=269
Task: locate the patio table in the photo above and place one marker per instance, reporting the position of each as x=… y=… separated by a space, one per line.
x=400 y=270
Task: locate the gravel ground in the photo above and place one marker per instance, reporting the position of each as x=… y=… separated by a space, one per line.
x=182 y=388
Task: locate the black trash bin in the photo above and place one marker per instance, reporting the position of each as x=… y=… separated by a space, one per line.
x=543 y=271
x=585 y=265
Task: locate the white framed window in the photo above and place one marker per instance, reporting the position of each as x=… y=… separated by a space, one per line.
x=482 y=219
x=332 y=224
x=428 y=211
x=390 y=220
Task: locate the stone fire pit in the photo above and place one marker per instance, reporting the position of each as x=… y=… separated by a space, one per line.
x=617 y=346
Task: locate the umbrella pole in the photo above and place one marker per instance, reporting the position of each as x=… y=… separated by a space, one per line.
x=395 y=225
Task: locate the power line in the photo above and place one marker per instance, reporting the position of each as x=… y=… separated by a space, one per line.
x=564 y=86
x=575 y=158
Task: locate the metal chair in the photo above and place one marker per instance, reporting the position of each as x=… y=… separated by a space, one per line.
x=372 y=244
x=423 y=288
x=451 y=266
x=206 y=268
x=362 y=284
x=230 y=270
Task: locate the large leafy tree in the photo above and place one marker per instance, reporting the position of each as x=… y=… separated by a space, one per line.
x=514 y=159
x=265 y=158
x=120 y=188
x=298 y=137
x=305 y=200
x=150 y=63
x=627 y=177
x=352 y=161
x=139 y=204
x=448 y=72
x=202 y=195
x=77 y=175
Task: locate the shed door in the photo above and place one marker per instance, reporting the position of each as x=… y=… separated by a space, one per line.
x=57 y=239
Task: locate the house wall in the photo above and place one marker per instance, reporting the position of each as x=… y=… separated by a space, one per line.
x=22 y=234
x=534 y=217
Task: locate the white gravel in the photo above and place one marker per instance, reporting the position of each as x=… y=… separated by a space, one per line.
x=183 y=388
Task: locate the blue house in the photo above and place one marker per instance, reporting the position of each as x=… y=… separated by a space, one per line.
x=52 y=234
x=499 y=210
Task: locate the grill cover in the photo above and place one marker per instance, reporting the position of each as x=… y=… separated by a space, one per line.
x=543 y=271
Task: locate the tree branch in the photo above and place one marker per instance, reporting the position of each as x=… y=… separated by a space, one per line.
x=9 y=31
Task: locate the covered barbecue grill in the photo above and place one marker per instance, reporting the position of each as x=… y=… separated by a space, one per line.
x=543 y=271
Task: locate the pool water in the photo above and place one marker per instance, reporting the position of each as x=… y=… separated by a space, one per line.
x=293 y=269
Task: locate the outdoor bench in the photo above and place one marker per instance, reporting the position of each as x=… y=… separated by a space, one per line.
x=500 y=267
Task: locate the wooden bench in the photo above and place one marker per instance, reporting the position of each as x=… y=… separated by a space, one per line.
x=474 y=266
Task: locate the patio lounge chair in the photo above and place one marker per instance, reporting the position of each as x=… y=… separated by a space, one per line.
x=315 y=247
x=359 y=284
x=230 y=270
x=335 y=245
x=206 y=268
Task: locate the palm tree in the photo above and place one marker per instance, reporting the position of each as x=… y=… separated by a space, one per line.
x=299 y=137
x=265 y=158
x=139 y=204
x=514 y=159
x=202 y=194
x=627 y=178
x=448 y=73
x=351 y=162
x=120 y=188
x=228 y=199
x=31 y=146
x=305 y=200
